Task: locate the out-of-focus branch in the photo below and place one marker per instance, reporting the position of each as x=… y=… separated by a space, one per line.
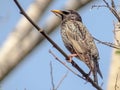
x=13 y=50
x=115 y=62
x=115 y=31
x=70 y=4
x=76 y=4
x=117 y=79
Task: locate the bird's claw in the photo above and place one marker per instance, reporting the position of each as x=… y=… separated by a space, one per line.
x=70 y=57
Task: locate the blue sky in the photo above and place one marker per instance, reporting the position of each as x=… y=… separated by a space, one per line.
x=34 y=72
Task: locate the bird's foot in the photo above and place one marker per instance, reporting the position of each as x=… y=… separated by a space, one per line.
x=70 y=57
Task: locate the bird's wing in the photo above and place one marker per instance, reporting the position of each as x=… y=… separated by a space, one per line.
x=77 y=34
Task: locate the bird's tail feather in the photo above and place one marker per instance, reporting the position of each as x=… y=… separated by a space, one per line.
x=95 y=74
x=96 y=70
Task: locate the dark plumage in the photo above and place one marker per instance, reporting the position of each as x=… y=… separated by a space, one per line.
x=78 y=40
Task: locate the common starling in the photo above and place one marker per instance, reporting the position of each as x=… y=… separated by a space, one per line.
x=78 y=40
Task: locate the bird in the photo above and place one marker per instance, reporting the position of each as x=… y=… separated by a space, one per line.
x=78 y=40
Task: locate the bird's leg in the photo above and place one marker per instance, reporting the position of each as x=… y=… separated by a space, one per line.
x=71 y=56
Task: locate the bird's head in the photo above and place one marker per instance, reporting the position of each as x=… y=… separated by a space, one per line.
x=68 y=14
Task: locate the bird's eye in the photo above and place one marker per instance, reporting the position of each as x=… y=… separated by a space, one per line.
x=65 y=12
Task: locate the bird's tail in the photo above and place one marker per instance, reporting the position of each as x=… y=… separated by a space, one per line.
x=96 y=70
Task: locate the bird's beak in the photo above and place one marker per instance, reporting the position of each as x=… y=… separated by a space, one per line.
x=57 y=12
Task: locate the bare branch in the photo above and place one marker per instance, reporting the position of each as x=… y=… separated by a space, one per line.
x=113 y=4
x=113 y=10
x=65 y=64
x=51 y=74
x=52 y=80
x=107 y=43
x=60 y=82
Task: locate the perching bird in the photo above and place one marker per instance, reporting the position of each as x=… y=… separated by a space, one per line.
x=78 y=40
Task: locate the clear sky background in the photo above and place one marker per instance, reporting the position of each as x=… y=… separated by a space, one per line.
x=34 y=72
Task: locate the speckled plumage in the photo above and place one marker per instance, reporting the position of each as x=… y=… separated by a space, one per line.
x=78 y=40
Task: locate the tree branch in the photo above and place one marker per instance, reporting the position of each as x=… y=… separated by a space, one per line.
x=61 y=80
x=107 y=43
x=51 y=75
x=65 y=65
x=113 y=10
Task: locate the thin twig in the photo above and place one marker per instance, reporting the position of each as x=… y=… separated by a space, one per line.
x=112 y=10
x=62 y=79
x=113 y=4
x=65 y=64
x=107 y=43
x=56 y=46
x=52 y=80
x=98 y=6
x=51 y=74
